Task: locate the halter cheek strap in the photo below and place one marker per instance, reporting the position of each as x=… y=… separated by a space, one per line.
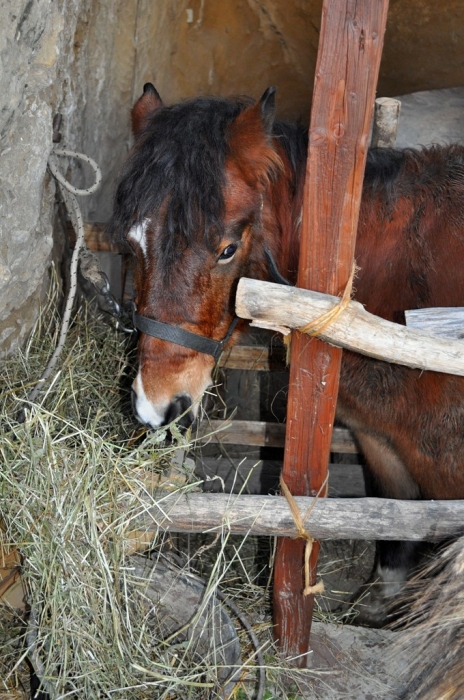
x=180 y=336
x=274 y=270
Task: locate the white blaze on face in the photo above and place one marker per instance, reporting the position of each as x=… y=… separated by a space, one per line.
x=138 y=235
x=145 y=410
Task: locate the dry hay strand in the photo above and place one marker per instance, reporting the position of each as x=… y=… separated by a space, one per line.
x=72 y=480
x=433 y=611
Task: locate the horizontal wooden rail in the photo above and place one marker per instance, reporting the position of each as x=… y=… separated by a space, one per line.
x=261 y=358
x=272 y=305
x=330 y=518
x=262 y=434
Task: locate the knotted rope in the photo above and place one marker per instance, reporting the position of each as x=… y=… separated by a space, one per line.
x=319 y=324
x=299 y=524
x=68 y=192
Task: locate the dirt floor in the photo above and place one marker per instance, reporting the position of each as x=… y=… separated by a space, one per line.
x=348 y=662
x=355 y=663
x=345 y=661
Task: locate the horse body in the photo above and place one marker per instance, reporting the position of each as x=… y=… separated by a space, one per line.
x=210 y=187
x=410 y=248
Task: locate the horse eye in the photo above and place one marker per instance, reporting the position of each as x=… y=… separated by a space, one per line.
x=228 y=252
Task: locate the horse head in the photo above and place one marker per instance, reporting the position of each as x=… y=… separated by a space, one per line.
x=197 y=204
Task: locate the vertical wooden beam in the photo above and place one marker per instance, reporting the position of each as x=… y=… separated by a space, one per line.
x=350 y=49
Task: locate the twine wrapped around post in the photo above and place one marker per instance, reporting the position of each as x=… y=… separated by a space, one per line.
x=319 y=324
x=299 y=523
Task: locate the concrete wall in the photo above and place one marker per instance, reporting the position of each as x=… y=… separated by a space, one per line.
x=88 y=59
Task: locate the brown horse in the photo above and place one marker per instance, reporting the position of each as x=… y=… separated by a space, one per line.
x=212 y=192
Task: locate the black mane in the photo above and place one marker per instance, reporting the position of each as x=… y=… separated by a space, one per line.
x=410 y=172
x=178 y=163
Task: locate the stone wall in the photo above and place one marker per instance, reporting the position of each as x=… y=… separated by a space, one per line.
x=88 y=59
x=56 y=56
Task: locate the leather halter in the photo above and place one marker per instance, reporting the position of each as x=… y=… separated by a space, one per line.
x=181 y=336
x=200 y=343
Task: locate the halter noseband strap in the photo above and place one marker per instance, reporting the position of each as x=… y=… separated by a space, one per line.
x=180 y=336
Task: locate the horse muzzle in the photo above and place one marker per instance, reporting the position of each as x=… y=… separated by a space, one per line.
x=152 y=401
x=179 y=409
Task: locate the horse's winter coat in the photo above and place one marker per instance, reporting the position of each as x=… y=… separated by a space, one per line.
x=210 y=184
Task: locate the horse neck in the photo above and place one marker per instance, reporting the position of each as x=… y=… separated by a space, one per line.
x=286 y=199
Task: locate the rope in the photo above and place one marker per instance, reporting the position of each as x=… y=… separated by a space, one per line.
x=68 y=192
x=319 y=324
x=66 y=153
x=299 y=524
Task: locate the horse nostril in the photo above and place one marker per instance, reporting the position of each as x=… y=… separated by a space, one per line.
x=180 y=406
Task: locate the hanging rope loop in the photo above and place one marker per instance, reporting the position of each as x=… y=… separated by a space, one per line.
x=68 y=192
x=304 y=534
x=67 y=153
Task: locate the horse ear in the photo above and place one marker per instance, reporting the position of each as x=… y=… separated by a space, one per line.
x=148 y=103
x=267 y=109
x=250 y=144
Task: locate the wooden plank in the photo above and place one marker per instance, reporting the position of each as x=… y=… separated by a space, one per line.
x=253 y=357
x=347 y=67
x=355 y=328
x=262 y=434
x=444 y=322
x=330 y=518
x=12 y=592
x=249 y=476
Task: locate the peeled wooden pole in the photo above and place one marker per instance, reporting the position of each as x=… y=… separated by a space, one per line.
x=273 y=305
x=348 y=60
x=330 y=518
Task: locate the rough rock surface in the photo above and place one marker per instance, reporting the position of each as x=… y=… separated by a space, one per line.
x=55 y=57
x=431 y=117
x=34 y=39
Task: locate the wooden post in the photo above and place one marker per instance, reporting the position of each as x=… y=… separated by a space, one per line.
x=385 y=127
x=350 y=49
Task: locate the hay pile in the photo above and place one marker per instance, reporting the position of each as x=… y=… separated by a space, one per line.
x=71 y=480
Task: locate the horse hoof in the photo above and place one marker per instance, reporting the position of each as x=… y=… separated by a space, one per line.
x=371 y=607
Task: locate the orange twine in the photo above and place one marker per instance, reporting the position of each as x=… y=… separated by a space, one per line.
x=319 y=324
x=299 y=524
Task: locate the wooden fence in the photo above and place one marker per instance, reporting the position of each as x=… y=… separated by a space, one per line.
x=329 y=518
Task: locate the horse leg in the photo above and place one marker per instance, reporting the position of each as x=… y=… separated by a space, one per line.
x=376 y=601
x=386 y=477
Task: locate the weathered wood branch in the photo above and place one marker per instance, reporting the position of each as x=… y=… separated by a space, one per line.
x=273 y=305
x=330 y=518
x=447 y=322
x=253 y=357
x=385 y=126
